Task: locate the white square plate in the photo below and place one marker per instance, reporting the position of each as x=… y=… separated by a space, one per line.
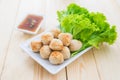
x=53 y=69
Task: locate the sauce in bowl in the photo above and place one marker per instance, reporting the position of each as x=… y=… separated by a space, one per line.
x=31 y=23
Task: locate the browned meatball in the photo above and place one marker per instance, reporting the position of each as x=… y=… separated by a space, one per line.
x=56 y=57
x=56 y=44
x=66 y=52
x=46 y=38
x=45 y=52
x=36 y=45
x=65 y=38
x=75 y=45
x=55 y=32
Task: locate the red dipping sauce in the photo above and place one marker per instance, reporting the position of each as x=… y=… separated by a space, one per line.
x=31 y=23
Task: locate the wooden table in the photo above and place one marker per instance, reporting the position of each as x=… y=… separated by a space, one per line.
x=15 y=64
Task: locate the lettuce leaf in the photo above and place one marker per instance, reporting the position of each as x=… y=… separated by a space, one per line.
x=71 y=9
x=91 y=28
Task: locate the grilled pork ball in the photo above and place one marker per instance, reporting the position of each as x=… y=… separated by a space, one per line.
x=36 y=45
x=55 y=32
x=56 y=44
x=56 y=57
x=66 y=52
x=65 y=38
x=47 y=37
x=75 y=45
x=45 y=52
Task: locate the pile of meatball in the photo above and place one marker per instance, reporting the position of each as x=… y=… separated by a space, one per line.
x=55 y=46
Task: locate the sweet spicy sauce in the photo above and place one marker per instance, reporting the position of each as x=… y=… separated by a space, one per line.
x=31 y=23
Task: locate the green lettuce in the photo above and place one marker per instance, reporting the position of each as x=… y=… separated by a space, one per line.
x=91 y=28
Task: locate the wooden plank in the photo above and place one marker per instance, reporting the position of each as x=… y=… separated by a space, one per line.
x=51 y=13
x=8 y=10
x=39 y=72
x=18 y=65
x=51 y=22
x=42 y=74
x=84 y=68
x=108 y=57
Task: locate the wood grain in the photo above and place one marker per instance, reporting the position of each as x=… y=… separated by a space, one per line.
x=7 y=22
x=17 y=63
x=84 y=68
x=41 y=74
x=51 y=11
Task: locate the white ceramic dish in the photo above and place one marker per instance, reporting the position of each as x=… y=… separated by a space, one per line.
x=31 y=32
x=53 y=69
